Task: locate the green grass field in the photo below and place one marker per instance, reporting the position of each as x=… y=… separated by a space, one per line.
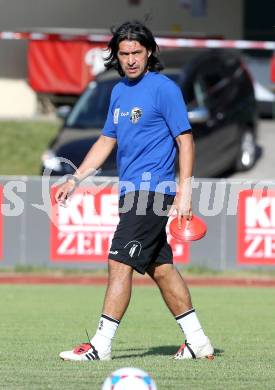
x=37 y=322
x=21 y=145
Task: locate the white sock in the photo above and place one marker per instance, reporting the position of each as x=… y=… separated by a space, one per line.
x=106 y=330
x=191 y=327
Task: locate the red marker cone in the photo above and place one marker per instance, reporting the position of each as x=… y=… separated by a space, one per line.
x=191 y=230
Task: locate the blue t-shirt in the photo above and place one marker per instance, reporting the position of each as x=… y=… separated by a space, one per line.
x=145 y=116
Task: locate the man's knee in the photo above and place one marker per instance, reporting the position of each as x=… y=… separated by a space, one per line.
x=161 y=272
x=119 y=270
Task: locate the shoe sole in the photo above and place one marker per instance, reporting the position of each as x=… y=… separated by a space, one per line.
x=208 y=357
x=72 y=360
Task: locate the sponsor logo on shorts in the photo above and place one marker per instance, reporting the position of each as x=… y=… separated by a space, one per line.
x=113 y=252
x=136 y=114
x=135 y=248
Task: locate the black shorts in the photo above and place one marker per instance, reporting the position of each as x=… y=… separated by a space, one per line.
x=140 y=238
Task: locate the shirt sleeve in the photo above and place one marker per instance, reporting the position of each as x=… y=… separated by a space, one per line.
x=173 y=108
x=110 y=125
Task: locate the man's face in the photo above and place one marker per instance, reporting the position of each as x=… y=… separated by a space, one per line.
x=133 y=58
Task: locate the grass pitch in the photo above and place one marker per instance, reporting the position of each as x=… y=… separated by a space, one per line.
x=37 y=322
x=22 y=144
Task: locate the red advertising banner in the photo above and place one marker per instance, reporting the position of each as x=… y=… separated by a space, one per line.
x=256 y=227
x=63 y=67
x=83 y=231
x=1 y=224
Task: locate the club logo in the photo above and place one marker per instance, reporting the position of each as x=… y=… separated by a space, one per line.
x=132 y=250
x=135 y=248
x=136 y=114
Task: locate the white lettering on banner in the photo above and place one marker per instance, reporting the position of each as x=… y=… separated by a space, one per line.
x=83 y=243
x=85 y=228
x=66 y=244
x=109 y=209
x=256 y=232
x=81 y=211
x=261 y=212
x=259 y=246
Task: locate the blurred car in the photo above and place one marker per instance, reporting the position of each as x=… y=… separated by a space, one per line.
x=260 y=69
x=219 y=94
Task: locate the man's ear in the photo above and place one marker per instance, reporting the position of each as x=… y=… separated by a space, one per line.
x=149 y=52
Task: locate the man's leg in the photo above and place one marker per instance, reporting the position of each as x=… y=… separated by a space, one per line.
x=172 y=287
x=117 y=298
x=119 y=288
x=177 y=297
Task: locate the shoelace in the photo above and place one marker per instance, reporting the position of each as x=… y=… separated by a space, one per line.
x=84 y=347
x=182 y=347
x=179 y=352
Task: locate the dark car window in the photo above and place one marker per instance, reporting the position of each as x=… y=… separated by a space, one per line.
x=232 y=64
x=91 y=109
x=210 y=83
x=212 y=76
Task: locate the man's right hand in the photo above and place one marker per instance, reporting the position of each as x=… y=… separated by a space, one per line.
x=64 y=191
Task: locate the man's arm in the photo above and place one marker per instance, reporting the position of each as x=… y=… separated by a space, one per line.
x=186 y=149
x=96 y=156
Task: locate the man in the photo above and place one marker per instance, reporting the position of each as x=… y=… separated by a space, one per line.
x=147 y=118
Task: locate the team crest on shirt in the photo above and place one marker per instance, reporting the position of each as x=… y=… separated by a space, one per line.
x=136 y=114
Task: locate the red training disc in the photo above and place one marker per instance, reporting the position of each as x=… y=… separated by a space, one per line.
x=191 y=230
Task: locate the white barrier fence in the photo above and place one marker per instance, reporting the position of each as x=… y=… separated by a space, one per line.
x=161 y=41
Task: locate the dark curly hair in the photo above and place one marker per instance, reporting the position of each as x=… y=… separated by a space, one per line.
x=132 y=31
